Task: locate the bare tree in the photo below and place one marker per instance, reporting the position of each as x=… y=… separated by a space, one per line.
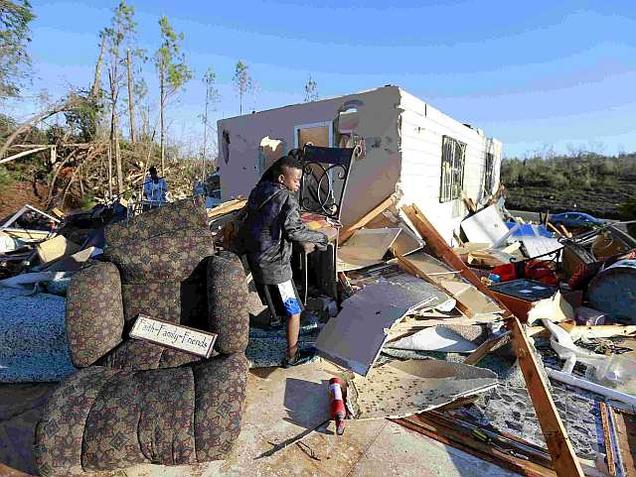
x=131 y=98
x=122 y=27
x=211 y=99
x=242 y=82
x=311 y=90
x=173 y=73
x=97 y=81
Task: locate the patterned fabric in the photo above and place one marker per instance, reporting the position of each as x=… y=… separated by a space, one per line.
x=59 y=434
x=161 y=300
x=228 y=303
x=104 y=419
x=147 y=403
x=220 y=392
x=171 y=256
x=94 y=313
x=144 y=416
x=139 y=354
x=177 y=215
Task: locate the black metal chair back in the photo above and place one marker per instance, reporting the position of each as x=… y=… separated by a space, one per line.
x=324 y=181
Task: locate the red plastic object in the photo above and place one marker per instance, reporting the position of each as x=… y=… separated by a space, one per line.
x=541 y=271
x=506 y=272
x=338 y=410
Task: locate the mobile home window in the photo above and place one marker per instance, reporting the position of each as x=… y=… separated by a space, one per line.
x=489 y=173
x=318 y=134
x=452 y=174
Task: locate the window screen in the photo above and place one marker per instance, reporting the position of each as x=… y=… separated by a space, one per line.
x=452 y=174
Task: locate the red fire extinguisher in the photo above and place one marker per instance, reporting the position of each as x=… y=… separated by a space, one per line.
x=337 y=392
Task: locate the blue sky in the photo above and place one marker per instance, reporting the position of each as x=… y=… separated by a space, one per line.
x=537 y=75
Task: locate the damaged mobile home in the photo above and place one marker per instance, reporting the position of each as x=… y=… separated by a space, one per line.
x=433 y=160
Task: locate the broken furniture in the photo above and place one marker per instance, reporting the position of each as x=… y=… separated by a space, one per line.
x=134 y=401
x=322 y=192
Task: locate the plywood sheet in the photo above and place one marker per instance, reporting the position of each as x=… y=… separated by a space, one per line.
x=486 y=226
x=354 y=337
x=365 y=248
x=409 y=387
x=465 y=293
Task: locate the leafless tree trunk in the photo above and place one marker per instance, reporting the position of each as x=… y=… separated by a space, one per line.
x=162 y=93
x=131 y=100
x=114 y=130
x=110 y=171
x=98 y=69
x=205 y=128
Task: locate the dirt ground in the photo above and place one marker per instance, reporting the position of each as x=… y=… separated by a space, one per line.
x=18 y=194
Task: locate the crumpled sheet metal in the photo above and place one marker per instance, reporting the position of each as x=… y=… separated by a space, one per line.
x=405 y=388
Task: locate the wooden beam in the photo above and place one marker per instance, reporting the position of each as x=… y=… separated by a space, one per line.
x=483 y=349
x=366 y=218
x=563 y=457
x=459 y=437
x=408 y=267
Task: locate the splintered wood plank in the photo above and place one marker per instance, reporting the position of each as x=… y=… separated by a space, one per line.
x=626 y=439
x=365 y=219
x=564 y=459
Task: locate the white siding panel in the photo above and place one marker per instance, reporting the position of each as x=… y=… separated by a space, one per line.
x=422 y=130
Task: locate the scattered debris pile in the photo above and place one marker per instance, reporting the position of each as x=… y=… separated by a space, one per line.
x=516 y=345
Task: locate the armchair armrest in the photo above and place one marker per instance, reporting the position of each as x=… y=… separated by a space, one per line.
x=227 y=301
x=94 y=313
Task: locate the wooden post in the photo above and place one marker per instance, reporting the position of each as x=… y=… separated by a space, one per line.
x=564 y=459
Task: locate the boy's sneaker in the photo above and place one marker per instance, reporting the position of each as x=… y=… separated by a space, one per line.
x=301 y=357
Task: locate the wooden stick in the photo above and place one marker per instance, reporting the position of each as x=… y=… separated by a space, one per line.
x=564 y=459
x=483 y=349
x=365 y=219
x=607 y=440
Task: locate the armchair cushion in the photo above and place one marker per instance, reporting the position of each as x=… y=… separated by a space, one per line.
x=103 y=419
x=94 y=313
x=173 y=216
x=172 y=256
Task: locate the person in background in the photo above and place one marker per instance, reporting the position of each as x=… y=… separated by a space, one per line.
x=271 y=225
x=155 y=188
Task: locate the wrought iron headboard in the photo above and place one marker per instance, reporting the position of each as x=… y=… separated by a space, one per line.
x=324 y=181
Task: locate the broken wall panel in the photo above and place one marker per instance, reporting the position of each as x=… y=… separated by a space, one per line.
x=353 y=339
x=485 y=226
x=365 y=248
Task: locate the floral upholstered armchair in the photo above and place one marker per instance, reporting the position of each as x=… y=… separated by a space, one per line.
x=134 y=401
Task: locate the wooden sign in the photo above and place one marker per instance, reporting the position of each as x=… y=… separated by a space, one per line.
x=179 y=337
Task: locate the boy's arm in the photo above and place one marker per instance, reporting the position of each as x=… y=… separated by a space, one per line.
x=295 y=230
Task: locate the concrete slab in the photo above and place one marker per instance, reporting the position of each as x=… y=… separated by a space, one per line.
x=281 y=404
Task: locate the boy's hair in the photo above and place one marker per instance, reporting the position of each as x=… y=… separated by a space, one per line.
x=276 y=169
x=152 y=170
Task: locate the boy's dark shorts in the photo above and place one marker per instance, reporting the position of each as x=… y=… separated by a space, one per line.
x=282 y=298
